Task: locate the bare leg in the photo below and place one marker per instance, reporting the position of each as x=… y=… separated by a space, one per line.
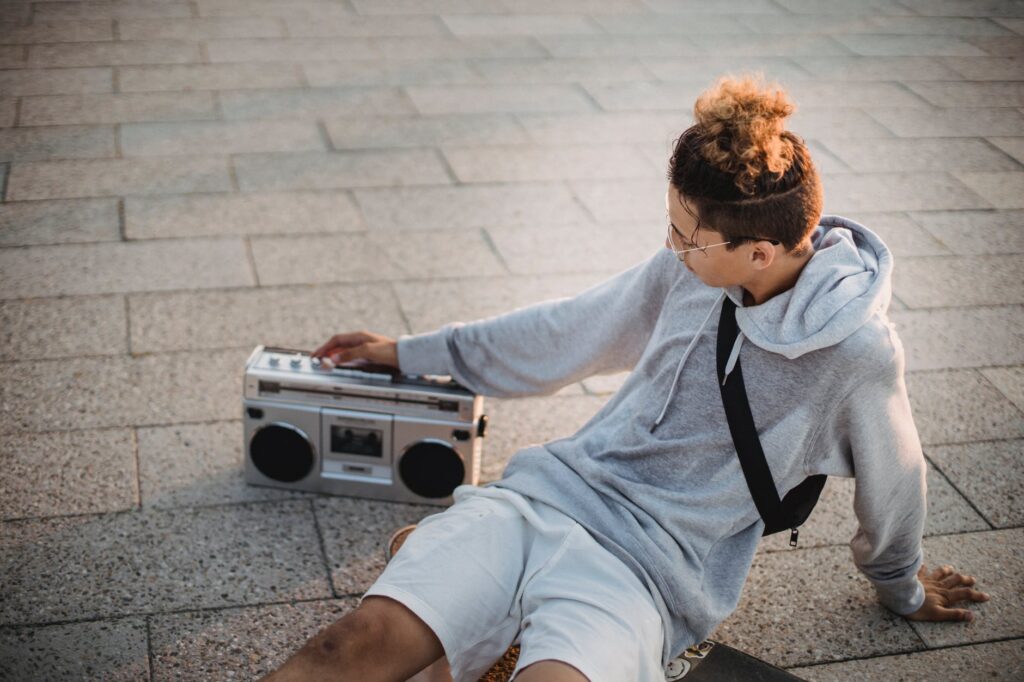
x=550 y=670
x=382 y=640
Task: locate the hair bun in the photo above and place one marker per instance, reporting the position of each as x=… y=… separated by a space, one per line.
x=741 y=122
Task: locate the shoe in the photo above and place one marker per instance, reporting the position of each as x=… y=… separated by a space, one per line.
x=396 y=540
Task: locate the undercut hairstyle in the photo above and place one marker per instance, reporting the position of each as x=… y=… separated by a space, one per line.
x=742 y=171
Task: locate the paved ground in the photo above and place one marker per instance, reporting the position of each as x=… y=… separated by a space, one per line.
x=183 y=180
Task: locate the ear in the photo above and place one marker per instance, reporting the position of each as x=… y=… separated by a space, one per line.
x=762 y=255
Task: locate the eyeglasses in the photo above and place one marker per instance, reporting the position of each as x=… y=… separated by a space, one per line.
x=679 y=252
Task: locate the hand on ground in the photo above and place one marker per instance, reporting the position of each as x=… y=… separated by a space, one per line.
x=944 y=587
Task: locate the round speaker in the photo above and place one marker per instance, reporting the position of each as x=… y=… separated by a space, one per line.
x=281 y=452
x=431 y=469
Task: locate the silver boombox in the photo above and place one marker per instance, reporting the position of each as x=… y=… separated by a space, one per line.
x=363 y=432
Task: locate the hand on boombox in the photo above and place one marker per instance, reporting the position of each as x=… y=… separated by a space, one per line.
x=363 y=345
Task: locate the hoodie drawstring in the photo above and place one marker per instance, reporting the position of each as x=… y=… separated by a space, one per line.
x=679 y=368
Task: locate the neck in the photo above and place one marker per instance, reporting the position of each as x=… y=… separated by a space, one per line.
x=772 y=281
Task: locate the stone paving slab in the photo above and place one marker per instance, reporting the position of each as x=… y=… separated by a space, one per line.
x=960 y=406
x=439 y=72
x=949 y=122
x=553 y=71
x=879 y=68
x=63 y=327
x=612 y=127
x=8 y=111
x=126 y=564
x=59 y=221
x=902 y=235
x=521 y=24
x=920 y=154
x=57 y=142
x=70 y=472
x=708 y=66
x=273 y=316
x=184 y=77
x=961 y=337
x=191 y=465
x=991 y=661
x=308 y=103
x=193 y=29
x=984 y=68
x=114 y=10
x=580 y=248
x=116 y=108
x=353 y=25
x=469 y=206
x=237 y=642
x=423 y=131
x=101 y=268
x=476 y=99
x=525 y=163
x=203 y=215
x=846 y=192
x=219 y=137
x=115 y=650
x=959 y=280
x=58 y=32
x=111 y=53
x=314 y=170
x=1011 y=145
x=960 y=229
x=990 y=474
x=1000 y=189
x=1010 y=381
x=57 y=81
x=90 y=393
x=624 y=200
x=374 y=256
x=354 y=532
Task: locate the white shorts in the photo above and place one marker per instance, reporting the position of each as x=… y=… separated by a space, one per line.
x=497 y=569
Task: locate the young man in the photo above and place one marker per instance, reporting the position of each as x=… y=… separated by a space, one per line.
x=607 y=552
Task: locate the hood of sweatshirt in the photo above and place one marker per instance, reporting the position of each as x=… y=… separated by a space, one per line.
x=845 y=282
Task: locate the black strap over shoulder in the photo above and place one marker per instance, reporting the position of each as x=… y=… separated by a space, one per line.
x=796 y=506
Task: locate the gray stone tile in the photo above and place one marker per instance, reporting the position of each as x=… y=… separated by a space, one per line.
x=992 y=558
x=250 y=642
x=964 y=8
x=201 y=215
x=58 y=221
x=939 y=26
x=398 y=7
x=614 y=128
x=959 y=281
x=194 y=29
x=897 y=45
x=7 y=111
x=790 y=24
x=950 y=122
x=960 y=406
x=544 y=71
x=647 y=24
x=520 y=24
x=315 y=170
x=81 y=269
x=919 y=154
x=963 y=94
x=991 y=661
x=474 y=206
x=324 y=9
x=116 y=108
x=354 y=531
x=115 y=9
x=961 y=337
x=424 y=131
x=647 y=96
x=1014 y=146
x=1009 y=381
x=767 y=45
x=355 y=25
x=235 y=318
x=526 y=163
x=515 y=424
x=627 y=201
x=451 y=72
x=826 y=124
x=114 y=650
x=84 y=30
x=884 y=7
x=181 y=77
x=724 y=7
x=374 y=256
x=1015 y=25
x=12 y=57
x=159 y=561
x=63 y=327
x=111 y=53
x=877 y=68
x=577 y=248
x=264 y=50
x=865 y=94
x=903 y=236
x=475 y=99
x=116 y=177
x=621 y=46
x=851 y=192
x=198 y=464
x=1001 y=189
x=56 y=81
x=999 y=46
x=70 y=472
x=985 y=68
x=788 y=613
x=43 y=395
x=617 y=7
x=57 y=142
x=430 y=304
x=464 y=47
x=975 y=232
x=833 y=521
x=219 y=137
x=601 y=384
x=314 y=103
x=704 y=66
x=990 y=474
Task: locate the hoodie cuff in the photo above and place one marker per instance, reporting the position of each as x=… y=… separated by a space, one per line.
x=423 y=353
x=903 y=596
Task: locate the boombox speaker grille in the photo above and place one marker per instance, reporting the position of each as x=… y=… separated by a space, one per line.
x=431 y=469
x=281 y=453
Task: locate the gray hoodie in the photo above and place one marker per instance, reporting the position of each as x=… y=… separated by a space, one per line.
x=654 y=475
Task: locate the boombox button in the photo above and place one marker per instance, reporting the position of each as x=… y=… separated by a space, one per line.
x=481 y=425
x=255 y=413
x=461 y=434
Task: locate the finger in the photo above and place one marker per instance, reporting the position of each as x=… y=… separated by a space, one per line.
x=943 y=614
x=348 y=354
x=346 y=340
x=965 y=594
x=941 y=572
x=957 y=579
